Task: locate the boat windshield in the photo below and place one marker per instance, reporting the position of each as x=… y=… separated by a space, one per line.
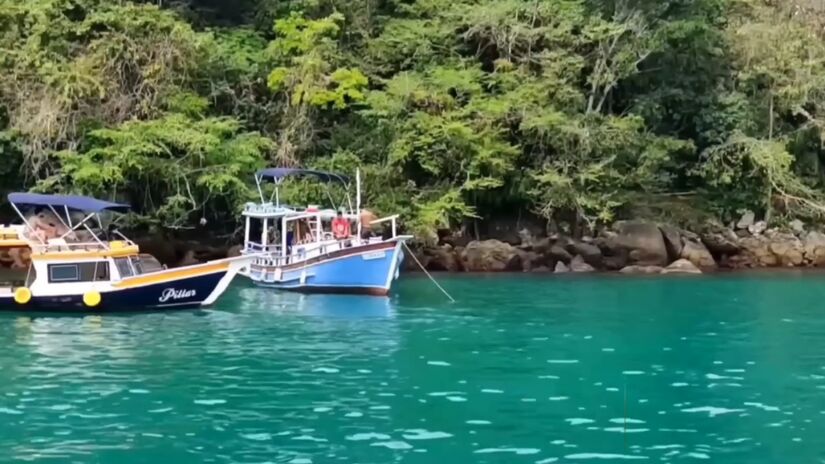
x=125 y=268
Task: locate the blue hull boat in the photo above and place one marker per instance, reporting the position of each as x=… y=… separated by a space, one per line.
x=312 y=249
x=366 y=269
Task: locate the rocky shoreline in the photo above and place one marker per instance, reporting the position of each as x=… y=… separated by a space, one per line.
x=628 y=247
x=635 y=247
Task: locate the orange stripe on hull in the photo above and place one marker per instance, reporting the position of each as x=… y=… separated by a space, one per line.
x=170 y=275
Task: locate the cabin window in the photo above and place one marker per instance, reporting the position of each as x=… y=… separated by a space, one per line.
x=94 y=272
x=136 y=265
x=64 y=273
x=79 y=272
x=124 y=267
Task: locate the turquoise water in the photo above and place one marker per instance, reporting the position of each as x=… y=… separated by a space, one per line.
x=522 y=370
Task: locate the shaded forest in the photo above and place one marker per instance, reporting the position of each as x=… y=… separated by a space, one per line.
x=577 y=111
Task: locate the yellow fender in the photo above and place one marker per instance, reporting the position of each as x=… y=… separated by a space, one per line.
x=91 y=299
x=22 y=295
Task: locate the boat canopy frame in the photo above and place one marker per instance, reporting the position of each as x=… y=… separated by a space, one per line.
x=277 y=176
x=91 y=207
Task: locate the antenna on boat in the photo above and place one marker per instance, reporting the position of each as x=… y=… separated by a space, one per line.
x=358 y=199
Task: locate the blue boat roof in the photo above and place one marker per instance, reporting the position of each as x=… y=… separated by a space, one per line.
x=76 y=202
x=278 y=174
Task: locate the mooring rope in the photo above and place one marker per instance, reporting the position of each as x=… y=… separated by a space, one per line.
x=428 y=274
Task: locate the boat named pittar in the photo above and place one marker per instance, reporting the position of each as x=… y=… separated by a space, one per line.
x=315 y=250
x=61 y=259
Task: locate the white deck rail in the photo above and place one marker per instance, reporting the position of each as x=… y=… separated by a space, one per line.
x=393 y=219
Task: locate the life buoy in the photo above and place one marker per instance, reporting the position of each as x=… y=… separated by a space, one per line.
x=22 y=295
x=91 y=299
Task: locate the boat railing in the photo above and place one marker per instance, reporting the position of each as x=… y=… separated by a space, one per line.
x=124 y=239
x=392 y=219
x=266 y=209
x=252 y=247
x=9 y=233
x=59 y=245
x=299 y=252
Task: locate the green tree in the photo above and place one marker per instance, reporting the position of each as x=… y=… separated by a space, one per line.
x=308 y=80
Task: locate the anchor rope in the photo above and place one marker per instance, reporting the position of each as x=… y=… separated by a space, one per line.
x=427 y=273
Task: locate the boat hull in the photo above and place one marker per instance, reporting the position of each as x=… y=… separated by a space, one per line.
x=366 y=270
x=180 y=288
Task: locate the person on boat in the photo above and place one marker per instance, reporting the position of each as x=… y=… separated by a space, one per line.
x=367 y=218
x=44 y=226
x=21 y=257
x=340 y=227
x=290 y=238
x=274 y=235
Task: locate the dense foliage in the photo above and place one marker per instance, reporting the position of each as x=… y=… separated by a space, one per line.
x=581 y=111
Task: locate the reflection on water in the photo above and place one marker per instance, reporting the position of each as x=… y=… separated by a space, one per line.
x=520 y=370
x=338 y=306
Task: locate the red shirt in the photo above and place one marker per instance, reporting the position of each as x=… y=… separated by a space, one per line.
x=340 y=228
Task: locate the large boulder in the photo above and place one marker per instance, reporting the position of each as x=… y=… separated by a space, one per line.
x=673 y=241
x=723 y=242
x=490 y=256
x=579 y=265
x=772 y=250
x=557 y=253
x=814 y=244
x=591 y=254
x=561 y=268
x=636 y=269
x=697 y=254
x=617 y=261
x=681 y=266
x=788 y=250
x=746 y=220
x=613 y=256
x=643 y=241
x=442 y=258
x=530 y=260
x=754 y=253
x=758 y=227
x=542 y=245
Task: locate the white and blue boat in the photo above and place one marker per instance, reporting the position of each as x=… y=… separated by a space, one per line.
x=301 y=253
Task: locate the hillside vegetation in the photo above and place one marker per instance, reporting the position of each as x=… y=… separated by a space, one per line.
x=580 y=111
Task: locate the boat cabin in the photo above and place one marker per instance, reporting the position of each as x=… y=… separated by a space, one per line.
x=289 y=234
x=62 y=243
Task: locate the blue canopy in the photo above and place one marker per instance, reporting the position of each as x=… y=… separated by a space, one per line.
x=76 y=202
x=278 y=174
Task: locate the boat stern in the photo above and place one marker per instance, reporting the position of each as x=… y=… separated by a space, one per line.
x=189 y=286
x=236 y=265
